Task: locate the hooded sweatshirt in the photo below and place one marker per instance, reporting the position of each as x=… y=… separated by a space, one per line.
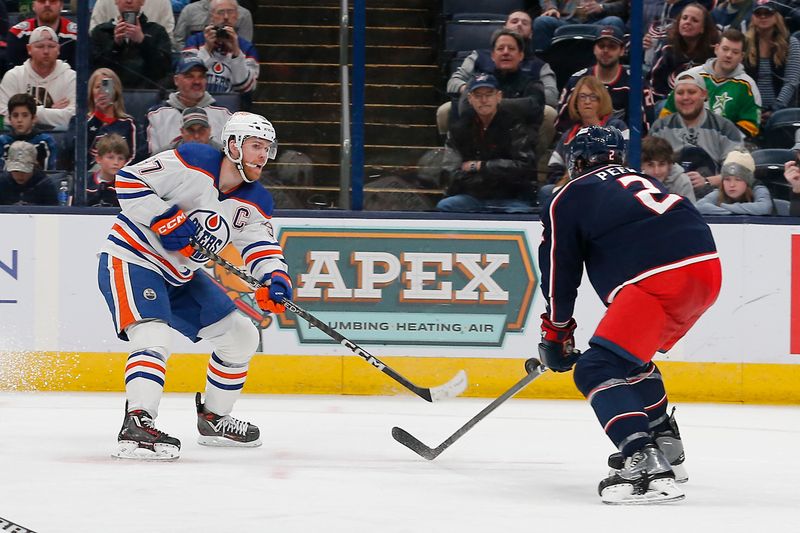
x=164 y=121
x=679 y=183
x=735 y=97
x=58 y=85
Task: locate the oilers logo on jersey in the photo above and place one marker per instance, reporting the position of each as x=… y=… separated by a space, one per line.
x=213 y=232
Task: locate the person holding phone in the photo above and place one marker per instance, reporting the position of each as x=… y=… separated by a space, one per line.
x=106 y=113
x=232 y=61
x=139 y=51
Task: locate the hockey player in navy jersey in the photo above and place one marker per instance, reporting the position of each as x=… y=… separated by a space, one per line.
x=652 y=260
x=147 y=274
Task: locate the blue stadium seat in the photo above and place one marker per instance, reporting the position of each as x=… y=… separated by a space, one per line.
x=137 y=102
x=571 y=50
x=451 y=7
x=585 y=32
x=769 y=170
x=779 y=131
x=65 y=144
x=469 y=35
x=456 y=61
x=231 y=101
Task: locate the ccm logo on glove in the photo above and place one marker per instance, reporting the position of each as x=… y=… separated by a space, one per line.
x=175 y=230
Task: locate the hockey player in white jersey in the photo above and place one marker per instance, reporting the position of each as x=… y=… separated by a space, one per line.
x=147 y=274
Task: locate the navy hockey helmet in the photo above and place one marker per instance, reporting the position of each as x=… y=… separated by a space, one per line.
x=594 y=146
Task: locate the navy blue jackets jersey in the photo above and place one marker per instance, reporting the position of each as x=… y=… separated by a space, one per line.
x=625 y=226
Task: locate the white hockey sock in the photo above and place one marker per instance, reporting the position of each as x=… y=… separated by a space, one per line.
x=144 y=380
x=224 y=384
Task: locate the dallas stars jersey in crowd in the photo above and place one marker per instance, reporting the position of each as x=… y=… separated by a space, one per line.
x=189 y=178
x=625 y=226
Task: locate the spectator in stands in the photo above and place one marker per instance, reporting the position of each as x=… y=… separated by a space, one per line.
x=657 y=161
x=589 y=104
x=690 y=42
x=112 y=154
x=195 y=16
x=791 y=172
x=731 y=92
x=557 y=13
x=107 y=113
x=47 y=13
x=164 y=120
x=609 y=45
x=22 y=123
x=481 y=61
x=195 y=129
x=139 y=51
x=232 y=61
x=772 y=59
x=733 y=14
x=489 y=156
x=739 y=193
x=22 y=183
x=158 y=11
x=694 y=126
x=523 y=94
x=48 y=79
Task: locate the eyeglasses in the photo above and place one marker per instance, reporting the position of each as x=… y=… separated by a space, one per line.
x=588 y=97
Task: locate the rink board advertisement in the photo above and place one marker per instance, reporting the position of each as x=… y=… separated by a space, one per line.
x=426 y=296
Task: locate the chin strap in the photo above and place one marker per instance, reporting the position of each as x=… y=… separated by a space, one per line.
x=240 y=168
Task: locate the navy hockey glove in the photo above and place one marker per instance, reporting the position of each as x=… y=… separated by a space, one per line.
x=557 y=348
x=175 y=230
x=280 y=287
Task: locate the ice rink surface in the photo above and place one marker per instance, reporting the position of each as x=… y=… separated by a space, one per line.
x=329 y=464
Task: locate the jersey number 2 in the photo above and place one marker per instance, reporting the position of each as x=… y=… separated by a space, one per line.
x=647 y=196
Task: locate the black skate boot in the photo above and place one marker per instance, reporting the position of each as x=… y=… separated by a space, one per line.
x=219 y=430
x=645 y=478
x=668 y=441
x=139 y=439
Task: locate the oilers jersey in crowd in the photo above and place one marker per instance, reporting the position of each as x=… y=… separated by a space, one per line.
x=625 y=226
x=189 y=178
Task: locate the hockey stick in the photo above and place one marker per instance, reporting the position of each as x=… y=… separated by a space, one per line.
x=452 y=388
x=534 y=369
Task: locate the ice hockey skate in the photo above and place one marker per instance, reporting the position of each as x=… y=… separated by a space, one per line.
x=670 y=443
x=645 y=478
x=224 y=430
x=139 y=439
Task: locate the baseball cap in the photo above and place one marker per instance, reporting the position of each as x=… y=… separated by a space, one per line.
x=691 y=76
x=195 y=115
x=764 y=5
x=185 y=64
x=483 y=80
x=610 y=32
x=740 y=164
x=42 y=33
x=21 y=157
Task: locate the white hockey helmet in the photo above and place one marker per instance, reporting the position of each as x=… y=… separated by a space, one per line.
x=242 y=125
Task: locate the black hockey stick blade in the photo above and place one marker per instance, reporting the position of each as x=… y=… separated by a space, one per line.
x=534 y=369
x=452 y=388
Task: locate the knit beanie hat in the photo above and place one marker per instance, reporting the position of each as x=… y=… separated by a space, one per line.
x=740 y=164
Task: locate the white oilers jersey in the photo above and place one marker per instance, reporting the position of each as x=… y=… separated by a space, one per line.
x=188 y=177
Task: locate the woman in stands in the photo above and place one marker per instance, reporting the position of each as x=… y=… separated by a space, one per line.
x=690 y=42
x=107 y=112
x=772 y=58
x=589 y=104
x=738 y=193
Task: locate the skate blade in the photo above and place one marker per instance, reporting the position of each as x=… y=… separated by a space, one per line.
x=131 y=451
x=659 y=491
x=223 y=442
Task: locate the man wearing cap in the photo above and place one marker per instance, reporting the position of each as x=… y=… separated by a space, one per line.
x=195 y=129
x=231 y=59
x=557 y=13
x=138 y=50
x=47 y=13
x=739 y=193
x=609 y=46
x=489 y=156
x=22 y=183
x=163 y=121
x=694 y=126
x=48 y=79
x=731 y=92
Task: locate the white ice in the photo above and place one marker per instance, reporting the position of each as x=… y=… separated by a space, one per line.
x=329 y=464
